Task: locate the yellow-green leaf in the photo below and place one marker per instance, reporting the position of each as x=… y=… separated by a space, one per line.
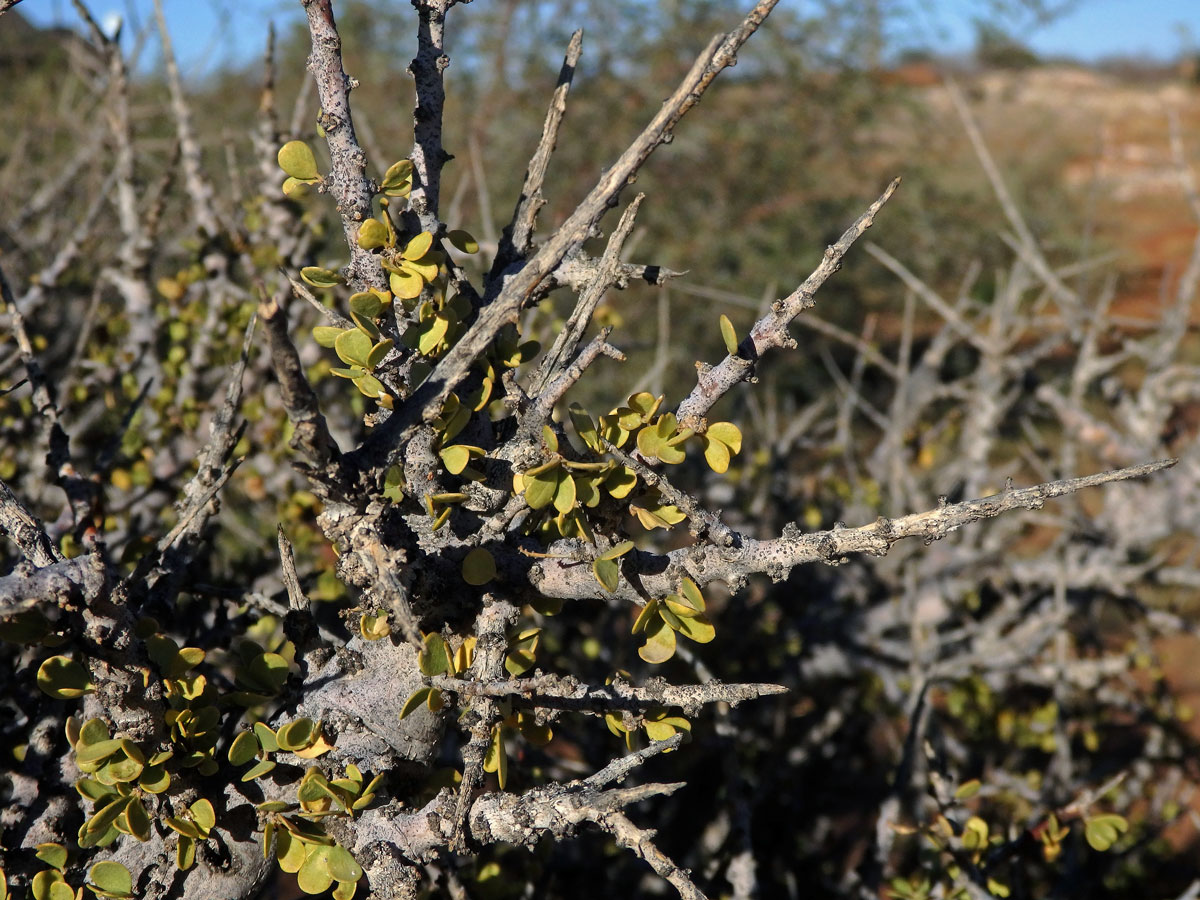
x=434 y=658
x=326 y=335
x=608 y=573
x=463 y=241
x=62 y=678
x=727 y=433
x=418 y=246
x=729 y=335
x=372 y=234
x=397 y=181
x=353 y=347
x=660 y=642
x=297 y=160
x=478 y=567
x=697 y=628
x=319 y=277
x=716 y=455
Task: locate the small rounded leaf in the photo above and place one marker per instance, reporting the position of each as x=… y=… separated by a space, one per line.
x=479 y=567
x=463 y=241
x=418 y=246
x=397 y=181
x=297 y=160
x=243 y=749
x=342 y=866
x=727 y=433
x=54 y=855
x=314 y=876
x=326 y=335
x=372 y=234
x=62 y=678
x=660 y=642
x=608 y=573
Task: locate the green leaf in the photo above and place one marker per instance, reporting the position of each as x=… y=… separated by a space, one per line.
x=326 y=335
x=297 y=734
x=608 y=573
x=52 y=854
x=967 y=789
x=136 y=821
x=366 y=303
x=185 y=853
x=478 y=567
x=496 y=760
x=106 y=815
x=342 y=866
x=522 y=651
x=372 y=234
x=463 y=241
x=564 y=493
x=621 y=482
x=660 y=642
x=369 y=386
x=729 y=336
x=344 y=890
x=727 y=433
x=258 y=770
x=434 y=658
x=455 y=457
x=314 y=876
x=378 y=352
x=321 y=278
x=297 y=160
x=691 y=593
x=289 y=852
x=101 y=750
x=645 y=616
x=154 y=780
x=266 y=737
x=541 y=489
x=353 y=347
x=62 y=678
x=266 y=673
x=697 y=628
x=243 y=749
x=49 y=885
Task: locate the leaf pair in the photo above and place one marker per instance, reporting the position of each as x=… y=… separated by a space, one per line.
x=661 y=620
x=298 y=163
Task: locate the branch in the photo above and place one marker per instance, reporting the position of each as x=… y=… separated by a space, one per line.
x=564 y=692
x=518 y=235
x=347 y=181
x=507 y=296
x=641 y=842
x=606 y=275
x=311 y=436
x=428 y=155
x=62 y=582
x=6 y=5
x=772 y=329
x=658 y=576
x=25 y=530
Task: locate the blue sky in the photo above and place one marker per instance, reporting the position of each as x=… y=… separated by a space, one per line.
x=208 y=33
